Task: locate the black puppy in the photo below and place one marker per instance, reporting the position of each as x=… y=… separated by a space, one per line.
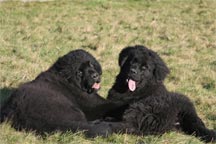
x=62 y=98
x=154 y=110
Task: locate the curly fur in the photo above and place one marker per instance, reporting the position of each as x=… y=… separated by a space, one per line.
x=62 y=98
x=153 y=110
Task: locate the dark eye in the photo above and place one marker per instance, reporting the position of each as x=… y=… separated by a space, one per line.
x=79 y=73
x=144 y=67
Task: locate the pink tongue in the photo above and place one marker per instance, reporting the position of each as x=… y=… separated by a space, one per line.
x=96 y=86
x=131 y=85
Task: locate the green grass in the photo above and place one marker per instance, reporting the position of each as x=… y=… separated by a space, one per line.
x=33 y=35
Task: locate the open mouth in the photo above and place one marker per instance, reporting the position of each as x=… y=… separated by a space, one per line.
x=91 y=87
x=96 y=86
x=131 y=84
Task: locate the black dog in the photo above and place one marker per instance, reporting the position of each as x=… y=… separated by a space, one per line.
x=154 y=110
x=62 y=98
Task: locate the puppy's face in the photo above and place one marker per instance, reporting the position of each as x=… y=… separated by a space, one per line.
x=140 y=66
x=88 y=77
x=80 y=69
x=138 y=70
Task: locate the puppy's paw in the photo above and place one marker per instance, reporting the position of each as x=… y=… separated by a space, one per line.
x=100 y=129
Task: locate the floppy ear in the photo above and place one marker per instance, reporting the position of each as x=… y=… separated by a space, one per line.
x=123 y=56
x=161 y=70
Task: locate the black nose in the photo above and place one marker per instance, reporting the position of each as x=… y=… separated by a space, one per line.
x=96 y=77
x=133 y=71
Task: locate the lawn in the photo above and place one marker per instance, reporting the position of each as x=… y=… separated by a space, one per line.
x=183 y=32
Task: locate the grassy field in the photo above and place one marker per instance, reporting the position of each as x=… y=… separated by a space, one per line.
x=33 y=35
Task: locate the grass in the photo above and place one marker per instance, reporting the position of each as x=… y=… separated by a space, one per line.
x=33 y=35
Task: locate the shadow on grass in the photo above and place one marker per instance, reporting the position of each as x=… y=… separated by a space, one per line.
x=4 y=95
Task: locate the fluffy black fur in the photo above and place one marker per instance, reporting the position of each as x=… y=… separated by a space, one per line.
x=62 y=98
x=153 y=110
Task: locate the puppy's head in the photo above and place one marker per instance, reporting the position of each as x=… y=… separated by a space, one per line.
x=88 y=77
x=81 y=69
x=140 y=66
